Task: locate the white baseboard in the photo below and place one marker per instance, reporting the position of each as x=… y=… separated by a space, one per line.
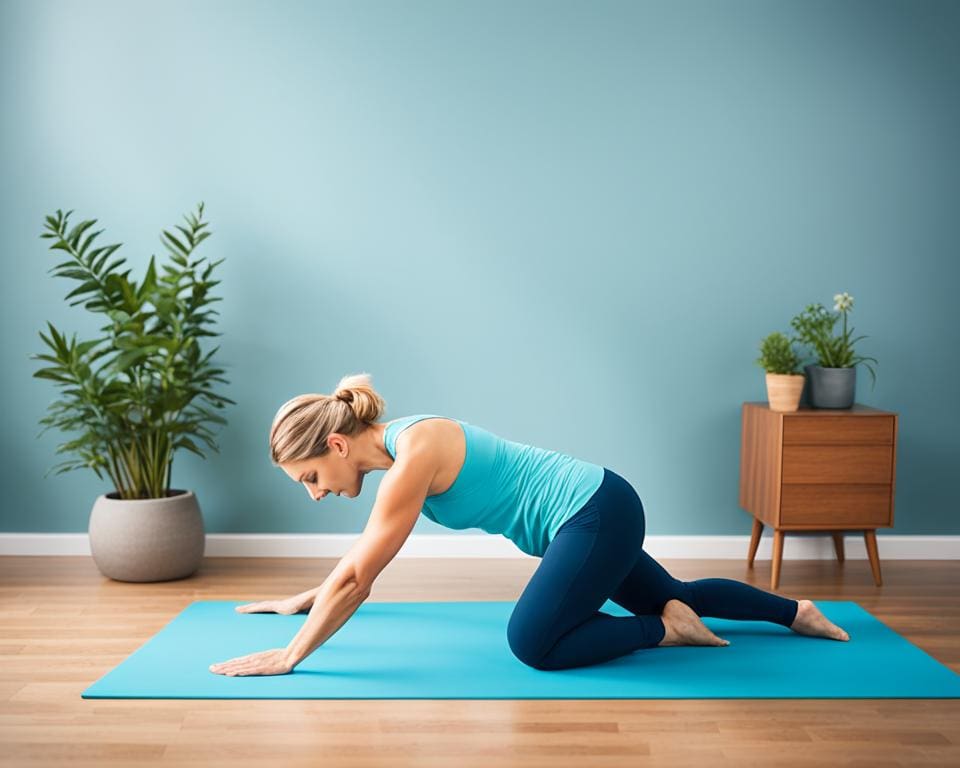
x=797 y=546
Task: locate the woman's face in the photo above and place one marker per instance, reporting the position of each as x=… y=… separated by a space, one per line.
x=322 y=475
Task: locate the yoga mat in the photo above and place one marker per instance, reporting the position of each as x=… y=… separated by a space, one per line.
x=459 y=650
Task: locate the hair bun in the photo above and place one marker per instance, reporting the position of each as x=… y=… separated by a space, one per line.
x=302 y=424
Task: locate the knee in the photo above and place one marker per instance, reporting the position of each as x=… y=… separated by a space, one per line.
x=534 y=661
x=525 y=644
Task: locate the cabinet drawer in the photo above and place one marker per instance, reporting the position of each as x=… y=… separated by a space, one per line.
x=835 y=505
x=837 y=464
x=837 y=429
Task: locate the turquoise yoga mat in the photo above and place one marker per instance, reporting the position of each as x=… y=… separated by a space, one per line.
x=458 y=650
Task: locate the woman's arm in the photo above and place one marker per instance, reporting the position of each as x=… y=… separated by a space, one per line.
x=335 y=601
x=400 y=498
x=306 y=599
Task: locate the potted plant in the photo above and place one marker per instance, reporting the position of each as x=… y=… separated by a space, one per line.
x=833 y=379
x=136 y=394
x=784 y=381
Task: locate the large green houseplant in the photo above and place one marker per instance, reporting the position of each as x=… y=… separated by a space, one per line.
x=144 y=388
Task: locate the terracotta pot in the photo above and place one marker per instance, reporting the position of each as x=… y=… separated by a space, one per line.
x=147 y=539
x=783 y=391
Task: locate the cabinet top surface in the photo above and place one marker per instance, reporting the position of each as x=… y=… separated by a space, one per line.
x=857 y=409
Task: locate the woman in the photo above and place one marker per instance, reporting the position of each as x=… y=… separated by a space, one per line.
x=584 y=521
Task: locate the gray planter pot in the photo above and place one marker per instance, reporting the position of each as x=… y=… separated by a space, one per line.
x=147 y=539
x=830 y=387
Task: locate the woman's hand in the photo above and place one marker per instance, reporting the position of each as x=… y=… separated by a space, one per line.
x=273 y=662
x=286 y=606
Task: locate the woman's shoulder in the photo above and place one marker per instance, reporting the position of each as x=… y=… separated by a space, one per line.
x=422 y=427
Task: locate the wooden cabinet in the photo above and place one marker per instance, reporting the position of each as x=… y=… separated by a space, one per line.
x=817 y=470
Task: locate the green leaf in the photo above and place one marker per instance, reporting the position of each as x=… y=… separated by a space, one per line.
x=129 y=358
x=89 y=285
x=149 y=282
x=75 y=273
x=109 y=271
x=86 y=346
x=96 y=261
x=54 y=374
x=186 y=442
x=176 y=243
x=187 y=234
x=62 y=246
x=90 y=238
x=57 y=338
x=74 y=237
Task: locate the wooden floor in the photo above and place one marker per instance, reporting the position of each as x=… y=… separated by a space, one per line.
x=64 y=625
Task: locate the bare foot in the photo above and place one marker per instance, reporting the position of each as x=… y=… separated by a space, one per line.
x=685 y=628
x=810 y=621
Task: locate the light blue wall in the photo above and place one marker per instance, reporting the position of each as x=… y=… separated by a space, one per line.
x=570 y=223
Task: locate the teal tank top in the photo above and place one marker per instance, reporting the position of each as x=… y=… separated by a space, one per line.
x=520 y=491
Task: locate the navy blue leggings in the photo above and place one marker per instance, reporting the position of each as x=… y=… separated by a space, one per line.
x=597 y=555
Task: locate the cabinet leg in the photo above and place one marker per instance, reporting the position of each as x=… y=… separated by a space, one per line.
x=777 y=557
x=754 y=541
x=838 y=546
x=870 y=539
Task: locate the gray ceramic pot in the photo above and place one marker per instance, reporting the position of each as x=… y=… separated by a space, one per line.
x=831 y=387
x=147 y=539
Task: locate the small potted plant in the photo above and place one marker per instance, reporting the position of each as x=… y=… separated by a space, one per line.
x=784 y=380
x=833 y=379
x=136 y=394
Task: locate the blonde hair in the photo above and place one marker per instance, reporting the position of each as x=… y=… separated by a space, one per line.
x=303 y=423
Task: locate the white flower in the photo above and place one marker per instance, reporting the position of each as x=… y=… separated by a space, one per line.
x=844 y=302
